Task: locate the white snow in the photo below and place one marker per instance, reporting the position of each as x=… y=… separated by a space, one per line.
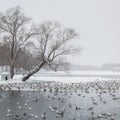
x=4 y=73
x=67 y=79
x=81 y=73
x=74 y=77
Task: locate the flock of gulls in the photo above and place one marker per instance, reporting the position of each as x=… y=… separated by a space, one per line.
x=98 y=100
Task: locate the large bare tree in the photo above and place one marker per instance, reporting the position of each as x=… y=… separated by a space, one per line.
x=16 y=31
x=54 y=43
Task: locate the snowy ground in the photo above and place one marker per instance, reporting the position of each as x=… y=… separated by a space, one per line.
x=73 y=76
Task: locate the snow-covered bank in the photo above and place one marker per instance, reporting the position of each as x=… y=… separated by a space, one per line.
x=77 y=76
x=37 y=81
x=73 y=76
x=73 y=73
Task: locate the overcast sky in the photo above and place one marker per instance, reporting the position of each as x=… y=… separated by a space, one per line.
x=97 y=22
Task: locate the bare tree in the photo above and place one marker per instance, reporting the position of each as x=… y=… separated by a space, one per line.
x=53 y=44
x=14 y=30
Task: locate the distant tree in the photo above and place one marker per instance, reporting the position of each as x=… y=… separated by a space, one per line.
x=16 y=32
x=26 y=61
x=4 y=53
x=53 y=45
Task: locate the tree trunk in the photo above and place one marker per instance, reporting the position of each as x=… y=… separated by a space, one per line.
x=11 y=71
x=33 y=72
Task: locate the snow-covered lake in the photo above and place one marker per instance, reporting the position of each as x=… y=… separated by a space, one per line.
x=76 y=76
x=71 y=77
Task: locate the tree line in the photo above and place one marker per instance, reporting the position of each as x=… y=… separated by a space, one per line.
x=24 y=62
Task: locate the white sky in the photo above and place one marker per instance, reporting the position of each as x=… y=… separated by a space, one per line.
x=97 y=22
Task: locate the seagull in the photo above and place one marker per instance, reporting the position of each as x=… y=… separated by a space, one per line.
x=36 y=117
x=43 y=115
